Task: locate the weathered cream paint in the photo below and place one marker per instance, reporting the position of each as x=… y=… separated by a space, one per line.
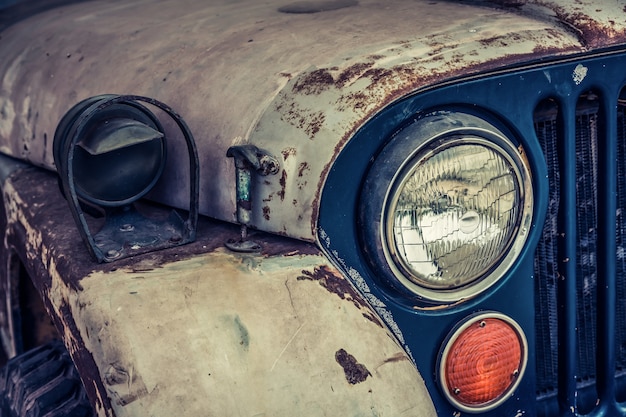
x=222 y=334
x=217 y=333
x=241 y=72
x=37 y=252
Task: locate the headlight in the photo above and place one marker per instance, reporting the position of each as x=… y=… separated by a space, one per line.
x=445 y=206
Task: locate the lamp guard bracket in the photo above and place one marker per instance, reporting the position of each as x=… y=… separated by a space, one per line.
x=126 y=232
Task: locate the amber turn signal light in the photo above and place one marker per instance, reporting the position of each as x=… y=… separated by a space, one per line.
x=482 y=362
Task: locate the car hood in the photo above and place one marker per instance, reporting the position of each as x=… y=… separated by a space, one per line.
x=296 y=79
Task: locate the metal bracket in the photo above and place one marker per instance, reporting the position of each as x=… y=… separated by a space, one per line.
x=126 y=232
x=248 y=158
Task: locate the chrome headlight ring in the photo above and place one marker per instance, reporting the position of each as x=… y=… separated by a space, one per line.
x=446 y=207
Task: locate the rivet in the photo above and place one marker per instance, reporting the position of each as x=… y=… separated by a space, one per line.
x=127 y=227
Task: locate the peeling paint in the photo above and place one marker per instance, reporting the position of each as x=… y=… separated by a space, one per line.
x=245 y=323
x=355 y=372
x=334 y=284
x=580 y=72
x=361 y=285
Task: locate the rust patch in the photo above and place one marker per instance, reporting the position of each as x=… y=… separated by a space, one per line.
x=334 y=284
x=355 y=100
x=304 y=166
x=352 y=72
x=590 y=30
x=310 y=122
x=315 y=124
x=373 y=319
x=283 y=185
x=500 y=41
x=355 y=372
x=287 y=152
x=315 y=82
x=266 y=213
x=83 y=359
x=377 y=74
x=546 y=50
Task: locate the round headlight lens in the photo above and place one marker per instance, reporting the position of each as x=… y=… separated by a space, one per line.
x=454 y=212
x=446 y=207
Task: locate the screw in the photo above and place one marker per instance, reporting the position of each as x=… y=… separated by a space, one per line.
x=483 y=323
x=457 y=391
x=127 y=227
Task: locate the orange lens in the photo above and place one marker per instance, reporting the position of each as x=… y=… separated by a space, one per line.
x=483 y=362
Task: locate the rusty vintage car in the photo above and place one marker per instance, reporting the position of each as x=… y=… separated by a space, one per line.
x=313 y=208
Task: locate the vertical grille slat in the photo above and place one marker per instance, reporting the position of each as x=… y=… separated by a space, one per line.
x=566 y=261
x=620 y=232
x=582 y=252
x=607 y=278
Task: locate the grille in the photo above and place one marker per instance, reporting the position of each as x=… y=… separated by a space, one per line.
x=580 y=262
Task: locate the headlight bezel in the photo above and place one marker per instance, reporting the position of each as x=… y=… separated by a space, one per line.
x=435 y=132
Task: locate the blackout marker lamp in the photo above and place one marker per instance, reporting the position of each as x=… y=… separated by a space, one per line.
x=109 y=152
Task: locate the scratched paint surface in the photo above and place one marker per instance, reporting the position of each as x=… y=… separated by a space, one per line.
x=201 y=331
x=240 y=336
x=296 y=84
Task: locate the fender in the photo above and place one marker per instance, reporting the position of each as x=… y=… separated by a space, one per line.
x=207 y=331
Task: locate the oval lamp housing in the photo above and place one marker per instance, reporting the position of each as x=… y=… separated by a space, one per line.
x=119 y=155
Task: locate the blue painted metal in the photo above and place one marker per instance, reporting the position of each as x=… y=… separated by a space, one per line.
x=510 y=98
x=607 y=272
x=567 y=293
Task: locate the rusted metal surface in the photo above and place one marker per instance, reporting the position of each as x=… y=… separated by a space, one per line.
x=206 y=331
x=597 y=24
x=295 y=84
x=355 y=372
